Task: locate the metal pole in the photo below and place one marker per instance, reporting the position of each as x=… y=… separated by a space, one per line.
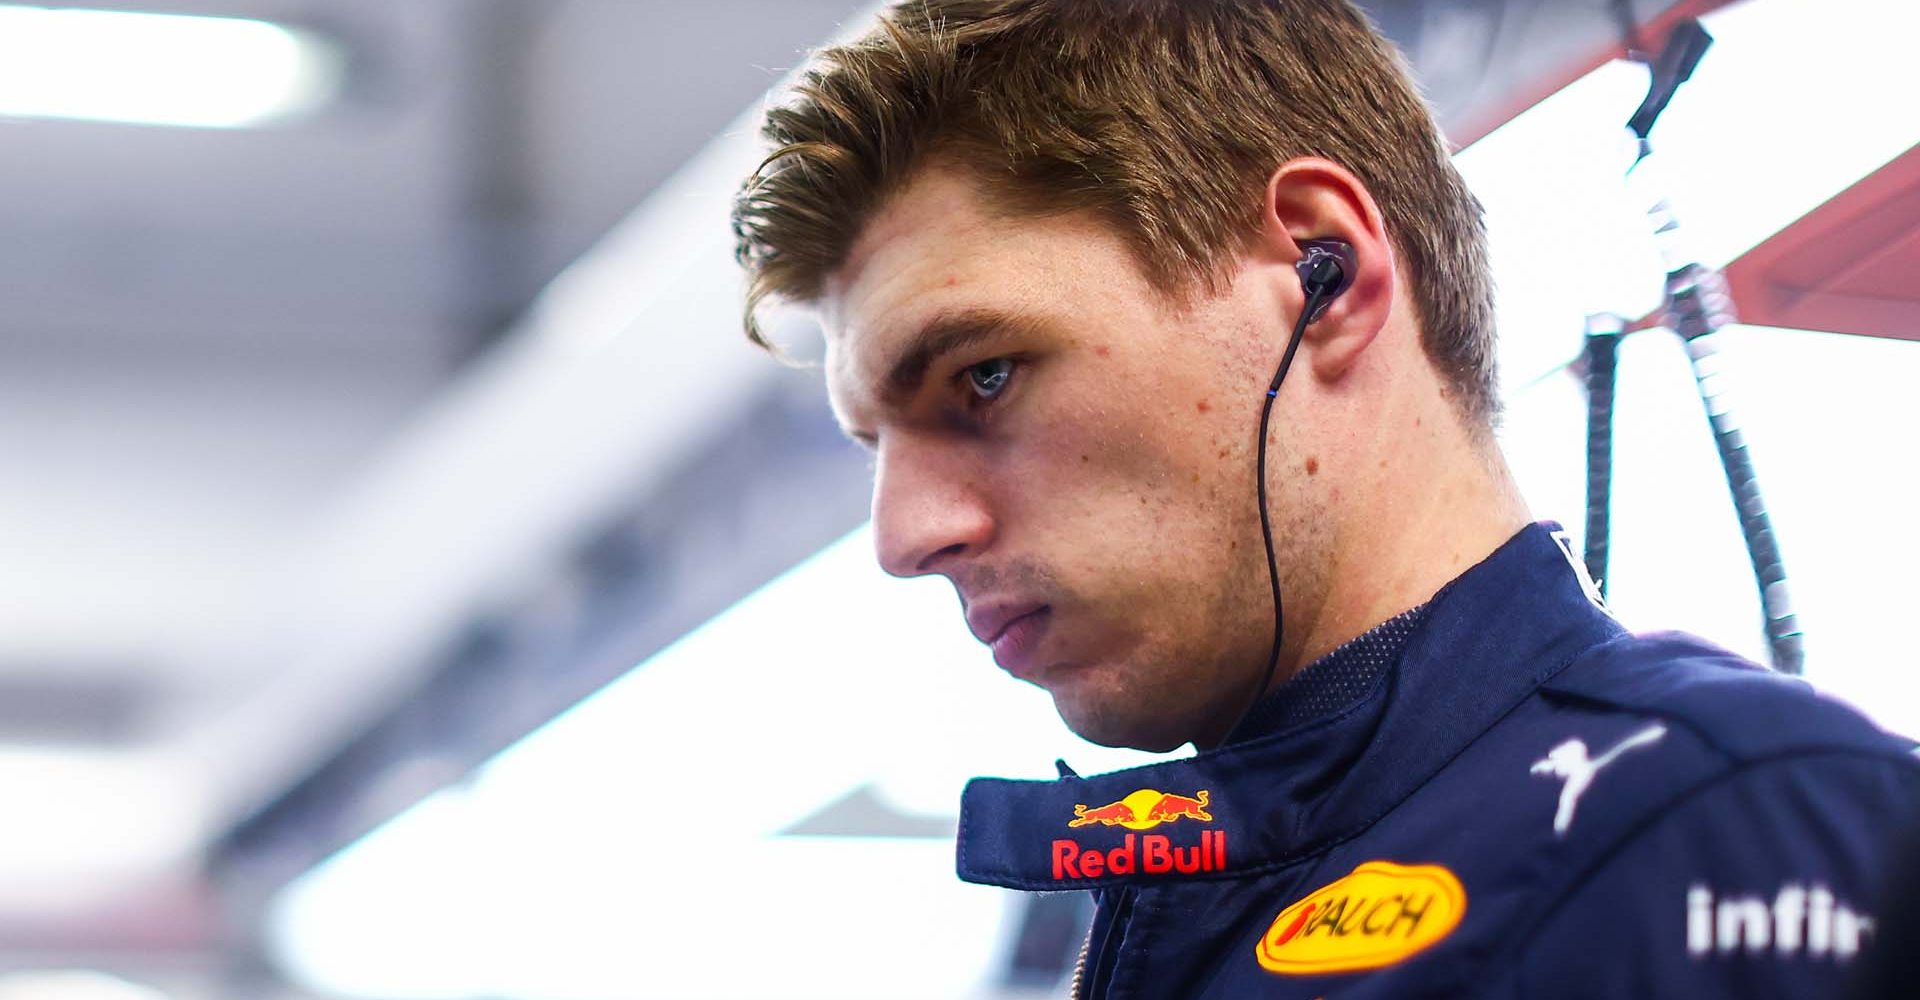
x=1697 y=308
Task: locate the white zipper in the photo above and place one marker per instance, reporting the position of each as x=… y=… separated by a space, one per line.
x=1080 y=966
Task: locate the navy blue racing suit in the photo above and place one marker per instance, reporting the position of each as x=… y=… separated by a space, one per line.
x=1500 y=793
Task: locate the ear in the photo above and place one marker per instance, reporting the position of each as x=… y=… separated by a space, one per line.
x=1314 y=198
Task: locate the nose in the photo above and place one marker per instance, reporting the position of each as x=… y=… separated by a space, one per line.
x=929 y=507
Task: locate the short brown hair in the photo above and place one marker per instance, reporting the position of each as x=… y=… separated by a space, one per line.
x=1164 y=117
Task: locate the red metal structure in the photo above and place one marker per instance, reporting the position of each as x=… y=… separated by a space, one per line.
x=1851 y=265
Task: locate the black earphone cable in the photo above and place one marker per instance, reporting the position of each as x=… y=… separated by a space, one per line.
x=1317 y=288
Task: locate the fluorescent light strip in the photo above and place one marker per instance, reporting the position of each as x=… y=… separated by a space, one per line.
x=159 y=69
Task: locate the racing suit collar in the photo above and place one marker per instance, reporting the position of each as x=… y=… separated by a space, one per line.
x=1276 y=795
x=1335 y=681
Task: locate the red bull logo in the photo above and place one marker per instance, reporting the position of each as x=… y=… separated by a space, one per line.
x=1151 y=854
x=1144 y=810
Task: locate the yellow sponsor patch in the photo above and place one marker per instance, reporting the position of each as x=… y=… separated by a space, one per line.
x=1380 y=914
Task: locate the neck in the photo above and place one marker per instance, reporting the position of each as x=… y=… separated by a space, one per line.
x=1441 y=500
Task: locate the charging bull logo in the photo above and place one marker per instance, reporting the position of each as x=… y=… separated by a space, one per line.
x=1151 y=854
x=1144 y=810
x=1379 y=914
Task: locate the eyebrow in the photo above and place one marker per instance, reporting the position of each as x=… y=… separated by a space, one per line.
x=941 y=336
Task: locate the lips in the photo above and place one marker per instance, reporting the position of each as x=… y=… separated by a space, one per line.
x=989 y=623
x=1015 y=648
x=1013 y=629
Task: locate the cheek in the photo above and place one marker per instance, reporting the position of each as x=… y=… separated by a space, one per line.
x=1155 y=490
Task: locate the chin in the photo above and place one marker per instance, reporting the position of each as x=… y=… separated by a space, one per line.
x=1128 y=725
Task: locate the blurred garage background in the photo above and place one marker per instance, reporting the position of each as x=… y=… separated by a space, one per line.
x=413 y=586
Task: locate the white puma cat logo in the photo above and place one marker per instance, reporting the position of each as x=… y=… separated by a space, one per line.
x=1569 y=762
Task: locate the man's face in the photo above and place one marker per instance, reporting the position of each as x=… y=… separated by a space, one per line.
x=1083 y=448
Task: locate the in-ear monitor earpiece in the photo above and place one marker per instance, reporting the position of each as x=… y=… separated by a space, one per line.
x=1326 y=269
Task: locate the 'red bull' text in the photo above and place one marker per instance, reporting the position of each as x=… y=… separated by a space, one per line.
x=1148 y=854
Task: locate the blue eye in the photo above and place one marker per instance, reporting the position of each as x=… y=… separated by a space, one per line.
x=988 y=378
